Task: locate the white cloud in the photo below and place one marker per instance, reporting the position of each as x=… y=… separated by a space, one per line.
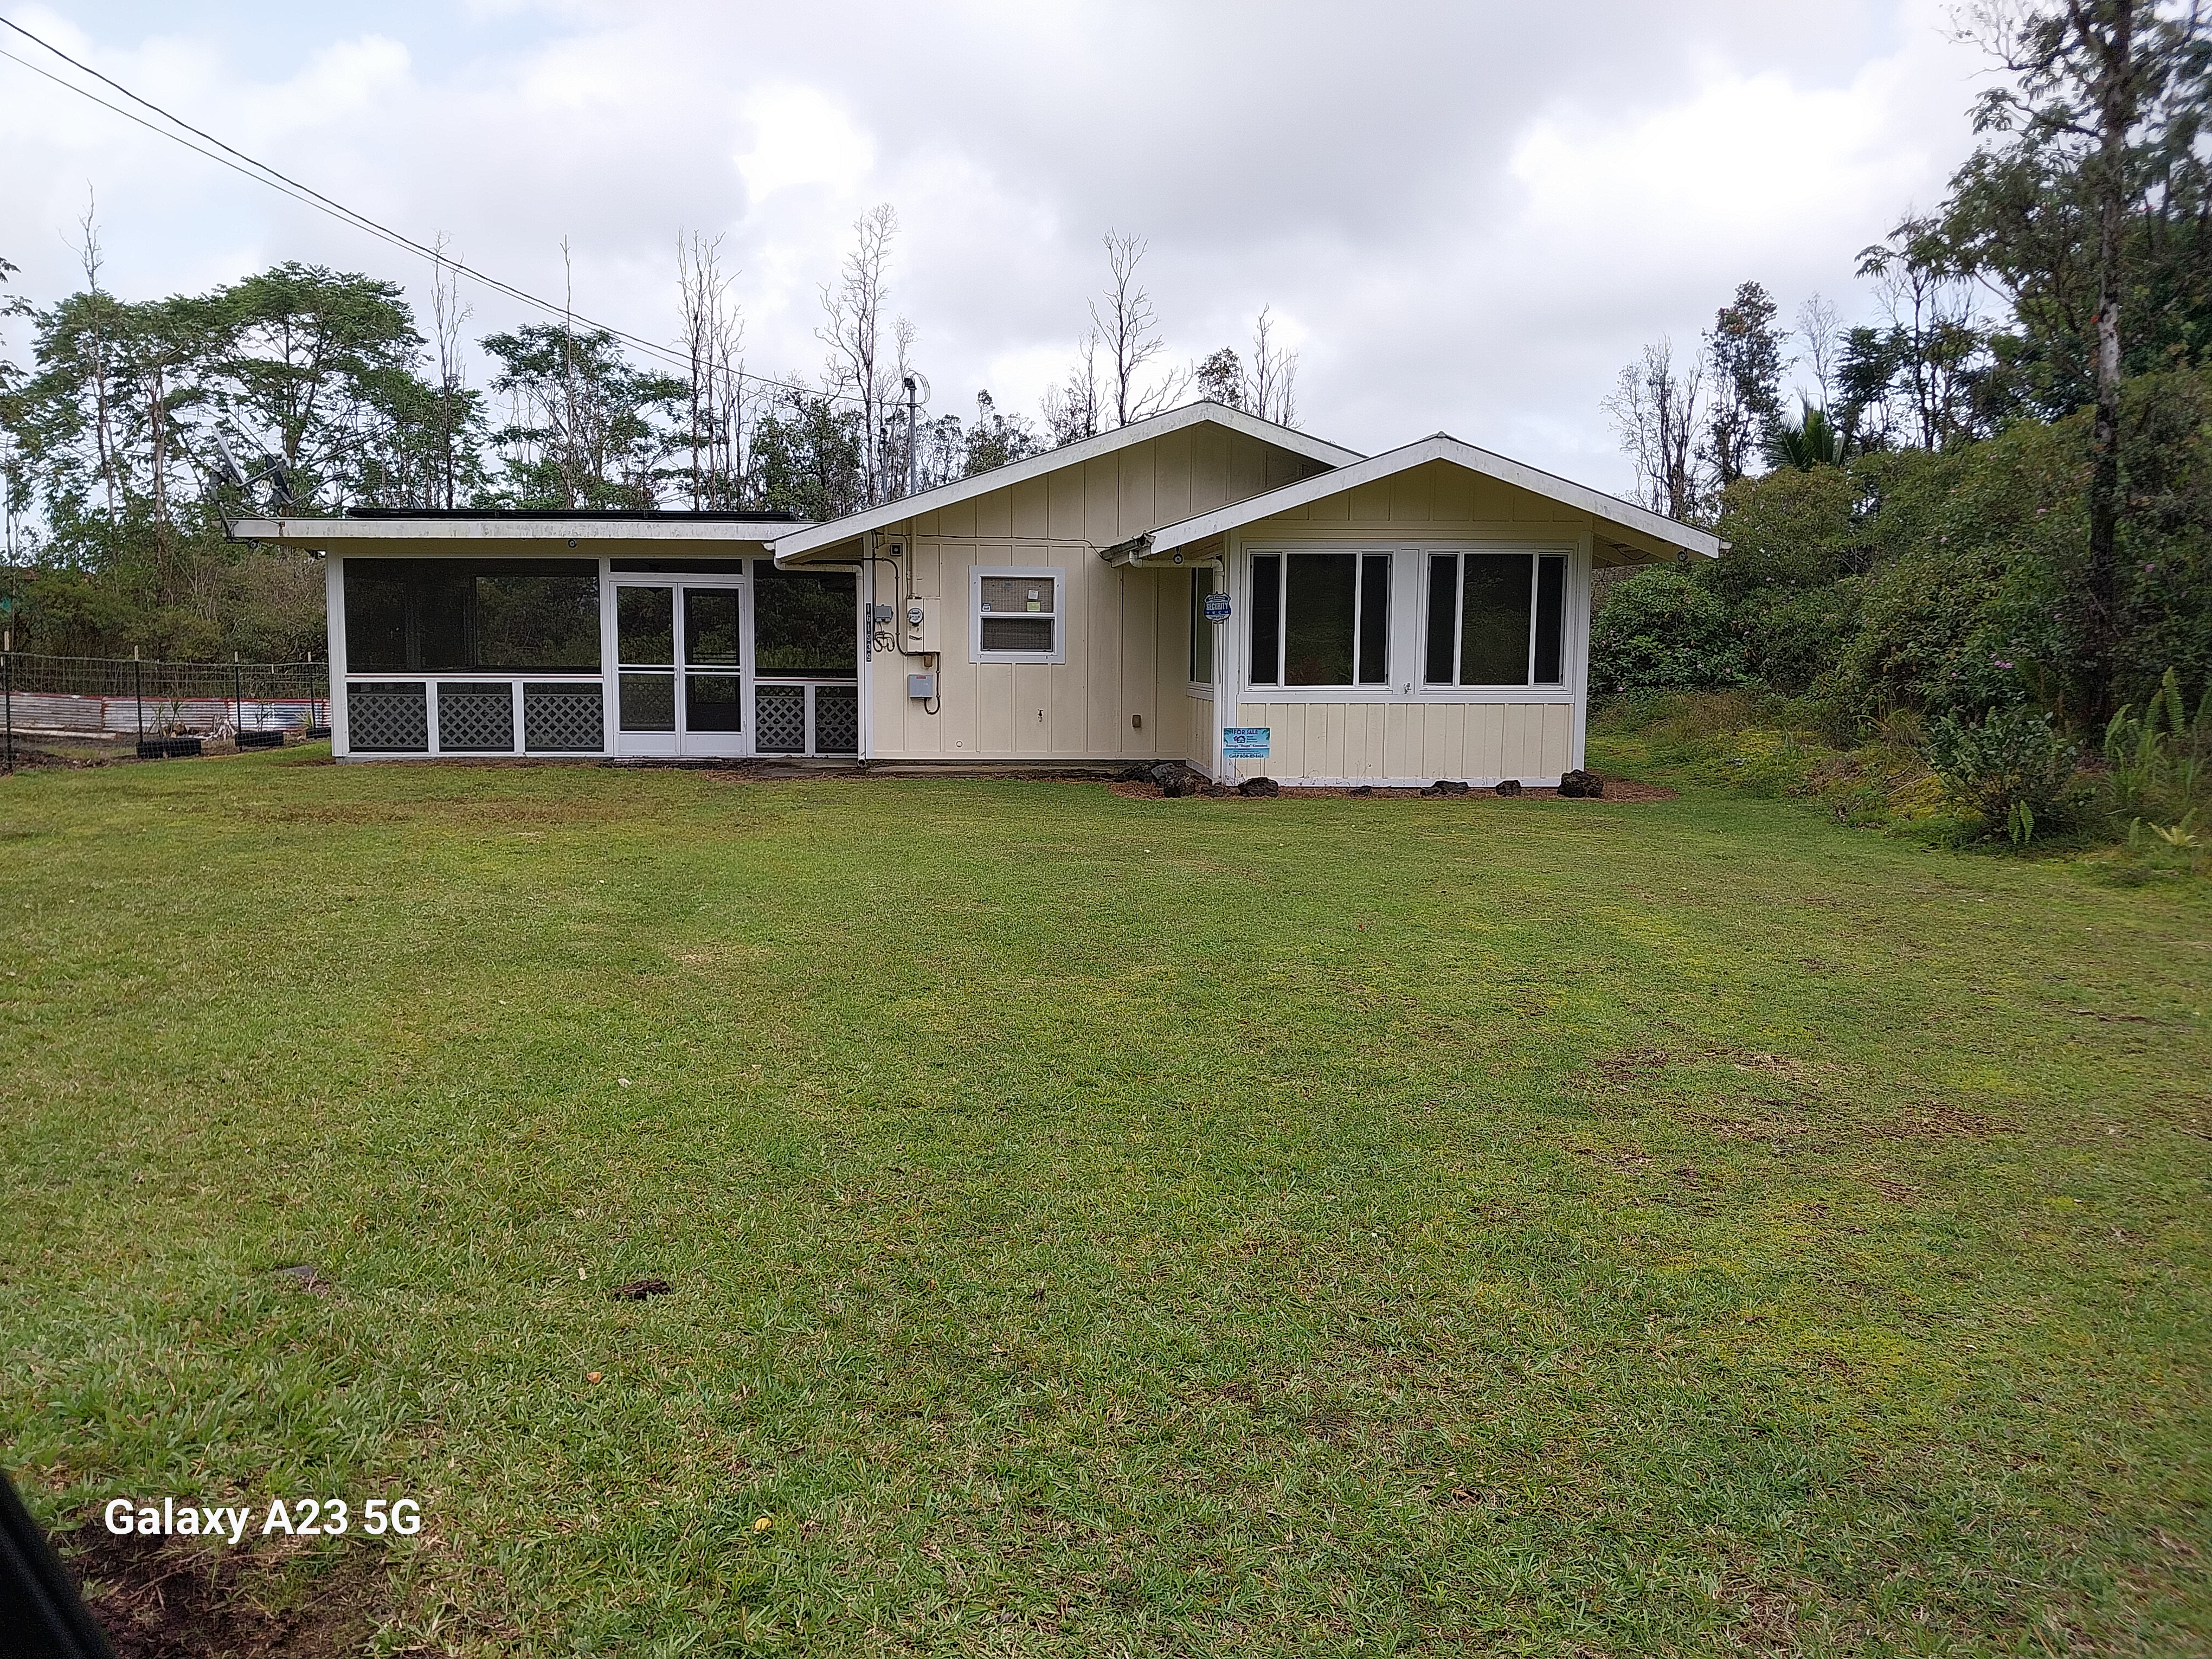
x=1465 y=217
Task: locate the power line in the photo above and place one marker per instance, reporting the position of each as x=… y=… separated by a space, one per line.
x=262 y=174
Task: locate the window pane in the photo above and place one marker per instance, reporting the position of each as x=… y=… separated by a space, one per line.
x=648 y=701
x=375 y=620
x=1201 y=631
x=1016 y=633
x=1267 y=614
x=1551 y=613
x=1002 y=594
x=645 y=631
x=710 y=628
x=1443 y=612
x=537 y=622
x=1494 y=627
x=1374 y=618
x=1317 y=619
x=712 y=703
x=805 y=622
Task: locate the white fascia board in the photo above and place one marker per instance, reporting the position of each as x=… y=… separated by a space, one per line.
x=794 y=545
x=1609 y=508
x=335 y=533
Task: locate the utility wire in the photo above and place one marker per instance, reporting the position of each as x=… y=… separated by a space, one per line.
x=262 y=174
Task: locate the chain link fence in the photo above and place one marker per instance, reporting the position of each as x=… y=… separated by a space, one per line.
x=112 y=697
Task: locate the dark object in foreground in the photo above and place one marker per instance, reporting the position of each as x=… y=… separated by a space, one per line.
x=1453 y=787
x=1579 y=785
x=638 y=1289
x=314 y=733
x=305 y=1278
x=1509 y=787
x=1259 y=786
x=273 y=738
x=167 y=748
x=41 y=1615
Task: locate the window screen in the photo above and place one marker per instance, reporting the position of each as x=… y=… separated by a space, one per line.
x=1017 y=615
x=1493 y=626
x=1551 y=619
x=1495 y=619
x=1321 y=619
x=445 y=616
x=1267 y=619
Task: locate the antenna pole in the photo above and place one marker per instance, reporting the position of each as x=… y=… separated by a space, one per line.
x=910 y=435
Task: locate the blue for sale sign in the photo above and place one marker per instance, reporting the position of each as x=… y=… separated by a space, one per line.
x=1244 y=742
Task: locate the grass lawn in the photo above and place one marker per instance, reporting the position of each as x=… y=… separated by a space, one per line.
x=1105 y=1226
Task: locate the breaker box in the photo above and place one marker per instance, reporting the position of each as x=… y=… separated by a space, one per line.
x=919 y=617
x=921 y=687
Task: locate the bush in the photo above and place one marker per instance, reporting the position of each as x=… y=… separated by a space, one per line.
x=1662 y=630
x=2010 y=769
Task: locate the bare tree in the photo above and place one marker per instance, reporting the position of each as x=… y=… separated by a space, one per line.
x=852 y=308
x=449 y=313
x=103 y=410
x=1271 y=392
x=713 y=331
x=1129 y=334
x=1072 y=411
x=1658 y=407
x=1821 y=330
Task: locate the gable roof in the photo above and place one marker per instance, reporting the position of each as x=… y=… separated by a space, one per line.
x=833 y=532
x=1638 y=521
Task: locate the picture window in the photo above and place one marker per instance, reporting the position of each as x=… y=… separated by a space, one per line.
x=1321 y=619
x=1495 y=619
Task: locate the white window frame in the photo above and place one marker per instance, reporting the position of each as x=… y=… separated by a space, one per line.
x=1459 y=556
x=1055 y=573
x=1360 y=551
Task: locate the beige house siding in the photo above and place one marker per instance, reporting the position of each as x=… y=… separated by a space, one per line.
x=1121 y=692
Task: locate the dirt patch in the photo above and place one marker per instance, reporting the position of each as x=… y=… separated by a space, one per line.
x=160 y=1598
x=1616 y=789
x=1937 y=1121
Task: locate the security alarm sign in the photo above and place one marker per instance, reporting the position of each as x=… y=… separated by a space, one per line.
x=1216 y=607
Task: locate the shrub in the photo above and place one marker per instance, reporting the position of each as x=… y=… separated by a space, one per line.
x=1662 y=630
x=2010 y=769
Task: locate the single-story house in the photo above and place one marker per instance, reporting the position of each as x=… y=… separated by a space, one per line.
x=1202 y=586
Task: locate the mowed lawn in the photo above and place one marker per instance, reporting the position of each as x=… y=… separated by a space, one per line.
x=1103 y=1226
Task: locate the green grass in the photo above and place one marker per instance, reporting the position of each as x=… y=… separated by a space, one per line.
x=1112 y=1226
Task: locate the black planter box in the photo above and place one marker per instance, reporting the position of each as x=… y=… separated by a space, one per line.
x=271 y=739
x=315 y=733
x=167 y=748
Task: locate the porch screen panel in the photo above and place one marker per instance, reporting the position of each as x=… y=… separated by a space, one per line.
x=805 y=623
x=471 y=616
x=1493 y=646
x=537 y=621
x=1267 y=619
x=1550 y=619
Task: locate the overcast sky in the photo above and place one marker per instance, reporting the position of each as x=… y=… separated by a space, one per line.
x=1466 y=216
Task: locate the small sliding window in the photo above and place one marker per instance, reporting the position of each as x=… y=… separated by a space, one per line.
x=1495 y=619
x=1321 y=619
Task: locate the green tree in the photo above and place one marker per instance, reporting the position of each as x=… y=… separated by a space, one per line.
x=1743 y=353
x=587 y=427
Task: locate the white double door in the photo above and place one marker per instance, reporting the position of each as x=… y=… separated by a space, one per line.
x=682 y=680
